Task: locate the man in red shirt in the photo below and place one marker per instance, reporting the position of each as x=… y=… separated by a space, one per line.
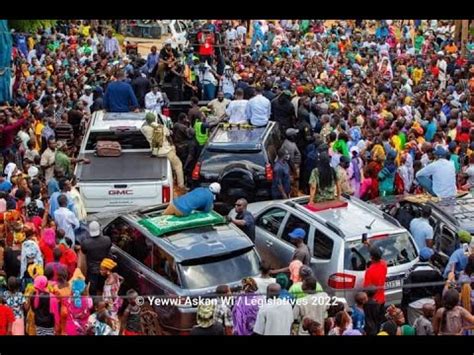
x=376 y=273
x=206 y=44
x=6 y=318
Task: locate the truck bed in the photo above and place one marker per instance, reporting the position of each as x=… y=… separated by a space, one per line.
x=129 y=166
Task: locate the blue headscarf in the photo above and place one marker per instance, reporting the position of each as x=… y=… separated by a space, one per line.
x=78 y=286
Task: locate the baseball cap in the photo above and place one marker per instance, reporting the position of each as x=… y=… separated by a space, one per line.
x=297 y=233
x=291 y=132
x=426 y=253
x=215 y=188
x=464 y=236
x=440 y=151
x=94 y=229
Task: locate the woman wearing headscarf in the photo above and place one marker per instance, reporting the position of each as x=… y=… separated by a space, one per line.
x=386 y=176
x=30 y=253
x=406 y=171
x=246 y=308
x=111 y=289
x=323 y=182
x=47 y=244
x=45 y=307
x=10 y=170
x=78 y=306
x=294 y=268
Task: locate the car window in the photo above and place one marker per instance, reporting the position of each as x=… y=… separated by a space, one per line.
x=129 y=239
x=219 y=270
x=292 y=223
x=271 y=220
x=397 y=249
x=272 y=145
x=447 y=242
x=323 y=245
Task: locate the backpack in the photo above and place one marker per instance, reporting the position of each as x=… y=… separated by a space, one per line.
x=158 y=136
x=399 y=185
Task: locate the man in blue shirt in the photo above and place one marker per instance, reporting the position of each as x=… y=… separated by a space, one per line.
x=458 y=259
x=258 y=109
x=200 y=199
x=281 y=183
x=152 y=59
x=421 y=229
x=119 y=96
x=244 y=219
x=439 y=178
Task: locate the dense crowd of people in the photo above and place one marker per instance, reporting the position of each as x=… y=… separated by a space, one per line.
x=366 y=108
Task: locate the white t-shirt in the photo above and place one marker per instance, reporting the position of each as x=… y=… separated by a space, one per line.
x=262 y=284
x=241 y=32
x=231 y=34
x=236 y=111
x=274 y=318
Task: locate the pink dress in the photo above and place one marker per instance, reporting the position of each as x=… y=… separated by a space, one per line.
x=77 y=316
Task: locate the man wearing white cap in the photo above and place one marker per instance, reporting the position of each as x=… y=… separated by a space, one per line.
x=87 y=98
x=95 y=248
x=200 y=199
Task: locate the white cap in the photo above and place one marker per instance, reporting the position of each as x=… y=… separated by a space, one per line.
x=215 y=188
x=94 y=229
x=33 y=171
x=168 y=41
x=87 y=87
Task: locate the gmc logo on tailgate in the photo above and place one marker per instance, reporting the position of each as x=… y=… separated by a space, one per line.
x=120 y=192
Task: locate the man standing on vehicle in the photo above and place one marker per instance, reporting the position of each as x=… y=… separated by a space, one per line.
x=95 y=248
x=152 y=59
x=421 y=229
x=200 y=199
x=439 y=177
x=119 y=96
x=281 y=183
x=244 y=219
x=376 y=274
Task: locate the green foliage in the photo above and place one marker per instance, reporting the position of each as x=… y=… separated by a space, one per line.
x=30 y=26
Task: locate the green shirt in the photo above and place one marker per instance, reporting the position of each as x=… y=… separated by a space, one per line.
x=62 y=161
x=419 y=43
x=297 y=289
x=457 y=165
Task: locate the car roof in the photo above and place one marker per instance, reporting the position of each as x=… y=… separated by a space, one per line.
x=102 y=120
x=460 y=211
x=243 y=137
x=193 y=242
x=348 y=222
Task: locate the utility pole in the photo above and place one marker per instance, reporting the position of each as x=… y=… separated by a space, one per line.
x=464 y=36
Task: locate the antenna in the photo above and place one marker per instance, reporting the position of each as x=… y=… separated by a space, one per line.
x=370 y=225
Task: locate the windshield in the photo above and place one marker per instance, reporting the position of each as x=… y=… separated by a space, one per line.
x=207 y=272
x=397 y=249
x=127 y=139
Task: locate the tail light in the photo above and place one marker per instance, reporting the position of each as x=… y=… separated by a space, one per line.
x=268 y=172
x=165 y=193
x=183 y=332
x=341 y=281
x=196 y=171
x=166 y=111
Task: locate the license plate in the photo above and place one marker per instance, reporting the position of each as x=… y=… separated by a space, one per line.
x=393 y=284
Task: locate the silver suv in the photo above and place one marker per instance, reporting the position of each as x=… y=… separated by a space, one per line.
x=334 y=237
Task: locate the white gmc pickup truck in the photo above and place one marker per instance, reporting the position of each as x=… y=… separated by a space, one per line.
x=134 y=179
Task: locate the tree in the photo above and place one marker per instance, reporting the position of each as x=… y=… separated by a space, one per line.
x=30 y=26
